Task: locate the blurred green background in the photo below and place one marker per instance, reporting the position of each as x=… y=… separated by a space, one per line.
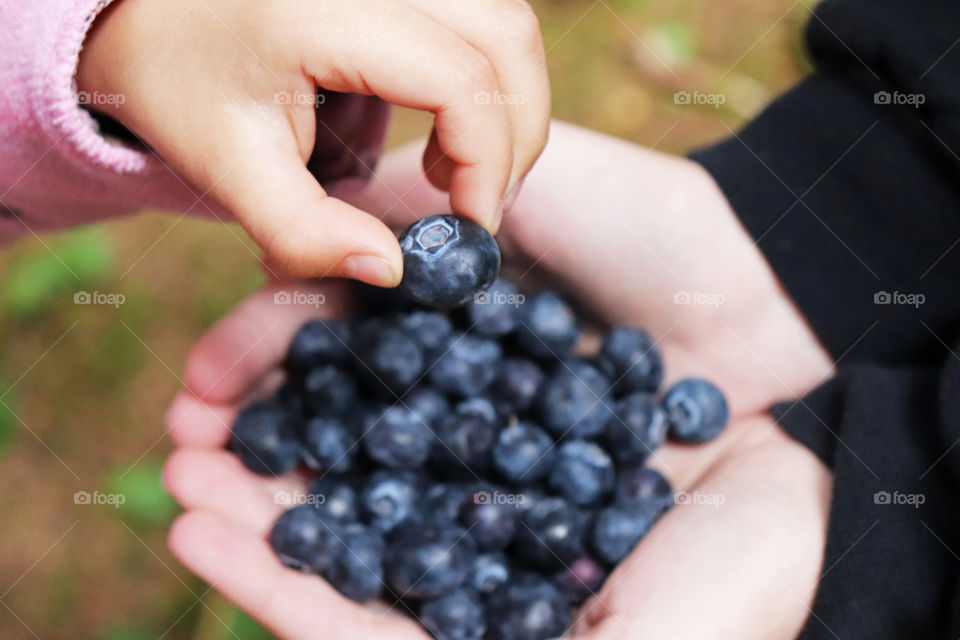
x=83 y=388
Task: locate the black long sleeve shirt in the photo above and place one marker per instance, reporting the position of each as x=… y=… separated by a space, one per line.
x=850 y=184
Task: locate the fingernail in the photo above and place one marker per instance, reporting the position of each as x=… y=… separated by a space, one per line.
x=508 y=201
x=370 y=269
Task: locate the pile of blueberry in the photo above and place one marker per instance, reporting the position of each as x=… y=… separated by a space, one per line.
x=470 y=467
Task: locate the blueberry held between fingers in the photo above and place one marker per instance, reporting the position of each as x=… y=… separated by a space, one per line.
x=459 y=615
x=582 y=473
x=637 y=428
x=634 y=360
x=303 y=539
x=527 y=608
x=696 y=409
x=264 y=437
x=447 y=259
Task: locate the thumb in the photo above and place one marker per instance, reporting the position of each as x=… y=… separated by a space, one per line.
x=302 y=229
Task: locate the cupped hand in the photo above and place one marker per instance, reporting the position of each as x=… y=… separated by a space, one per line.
x=622 y=230
x=224 y=91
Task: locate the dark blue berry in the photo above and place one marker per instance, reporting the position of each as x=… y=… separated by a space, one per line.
x=327 y=389
x=357 y=569
x=575 y=401
x=517 y=383
x=303 y=539
x=428 y=403
x=523 y=453
x=619 y=528
x=643 y=484
x=388 y=356
x=468 y=366
x=390 y=497
x=582 y=473
x=494 y=312
x=551 y=534
x=492 y=522
x=634 y=360
x=290 y=396
x=696 y=410
x=336 y=497
x=547 y=326
x=431 y=330
x=463 y=444
x=442 y=502
x=581 y=580
x=427 y=561
x=318 y=342
x=398 y=438
x=459 y=615
x=328 y=446
x=264 y=437
x=479 y=406
x=527 y=608
x=489 y=571
x=637 y=428
x=447 y=259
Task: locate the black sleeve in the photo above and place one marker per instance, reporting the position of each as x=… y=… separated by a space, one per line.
x=849 y=183
x=850 y=186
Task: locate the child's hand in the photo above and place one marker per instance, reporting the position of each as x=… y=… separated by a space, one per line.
x=201 y=82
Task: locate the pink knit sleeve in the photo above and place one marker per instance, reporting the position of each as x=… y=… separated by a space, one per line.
x=57 y=169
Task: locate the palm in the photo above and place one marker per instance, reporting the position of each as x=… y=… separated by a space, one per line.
x=768 y=532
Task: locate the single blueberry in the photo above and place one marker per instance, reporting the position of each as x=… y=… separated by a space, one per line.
x=428 y=403
x=527 y=608
x=492 y=523
x=398 y=438
x=696 y=410
x=427 y=561
x=489 y=571
x=290 y=396
x=431 y=330
x=547 y=326
x=387 y=356
x=458 y=615
x=468 y=366
x=447 y=259
x=582 y=473
x=517 y=383
x=336 y=497
x=479 y=406
x=264 y=437
x=357 y=570
x=642 y=484
x=328 y=445
x=551 y=534
x=304 y=540
x=327 y=389
x=390 y=497
x=581 y=580
x=523 y=453
x=442 y=502
x=463 y=443
x=637 y=428
x=619 y=528
x=318 y=342
x=494 y=312
x=634 y=360
x=575 y=402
